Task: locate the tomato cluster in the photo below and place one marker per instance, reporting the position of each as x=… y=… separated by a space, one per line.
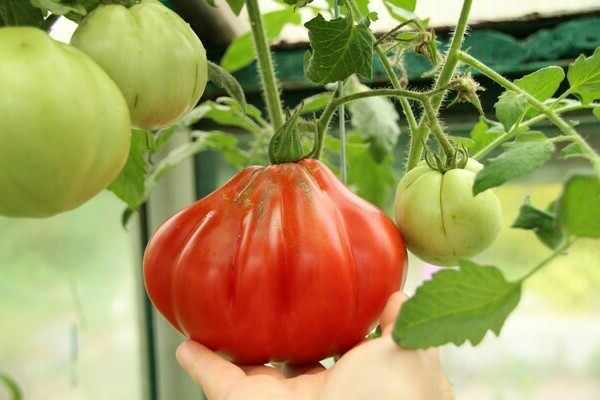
x=66 y=111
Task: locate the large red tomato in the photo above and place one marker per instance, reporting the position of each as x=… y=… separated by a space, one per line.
x=282 y=263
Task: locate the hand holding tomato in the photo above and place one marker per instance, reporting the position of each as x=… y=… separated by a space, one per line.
x=375 y=369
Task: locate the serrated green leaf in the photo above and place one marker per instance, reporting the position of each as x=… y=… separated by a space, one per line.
x=511 y=106
x=597 y=113
x=572 y=150
x=375 y=118
x=316 y=103
x=340 y=49
x=543 y=83
x=241 y=52
x=297 y=3
x=236 y=6
x=19 y=13
x=579 y=207
x=223 y=79
x=520 y=157
x=88 y=5
x=129 y=185
x=584 y=77
x=363 y=6
x=11 y=385
x=484 y=133
x=456 y=306
x=542 y=223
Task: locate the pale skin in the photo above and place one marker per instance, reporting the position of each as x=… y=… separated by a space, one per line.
x=374 y=369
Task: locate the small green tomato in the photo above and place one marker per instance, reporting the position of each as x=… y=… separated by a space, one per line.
x=440 y=219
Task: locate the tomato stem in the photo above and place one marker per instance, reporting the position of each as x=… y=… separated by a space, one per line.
x=265 y=65
x=565 y=128
x=419 y=136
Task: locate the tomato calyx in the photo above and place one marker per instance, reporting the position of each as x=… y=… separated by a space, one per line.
x=285 y=145
x=444 y=163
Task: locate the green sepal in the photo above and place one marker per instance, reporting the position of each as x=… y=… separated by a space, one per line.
x=285 y=145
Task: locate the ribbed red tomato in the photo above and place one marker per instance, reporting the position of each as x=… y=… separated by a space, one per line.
x=282 y=263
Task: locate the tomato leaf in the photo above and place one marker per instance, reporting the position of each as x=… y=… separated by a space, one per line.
x=510 y=107
x=60 y=8
x=579 y=206
x=530 y=152
x=224 y=114
x=13 y=388
x=316 y=102
x=236 y=6
x=375 y=118
x=483 y=133
x=596 y=112
x=373 y=181
x=241 y=52
x=456 y=306
x=223 y=79
x=543 y=83
x=572 y=150
x=584 y=77
x=542 y=223
x=129 y=185
x=20 y=12
x=340 y=49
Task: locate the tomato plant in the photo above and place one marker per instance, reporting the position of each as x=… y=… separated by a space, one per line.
x=155 y=58
x=57 y=146
x=282 y=263
x=440 y=218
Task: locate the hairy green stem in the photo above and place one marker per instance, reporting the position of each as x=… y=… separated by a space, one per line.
x=420 y=135
x=565 y=128
x=506 y=136
x=406 y=109
x=329 y=111
x=437 y=130
x=265 y=65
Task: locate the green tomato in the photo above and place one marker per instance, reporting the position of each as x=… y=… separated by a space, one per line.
x=153 y=55
x=440 y=219
x=64 y=125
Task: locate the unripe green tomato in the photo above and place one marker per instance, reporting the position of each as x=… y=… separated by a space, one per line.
x=152 y=54
x=440 y=219
x=64 y=125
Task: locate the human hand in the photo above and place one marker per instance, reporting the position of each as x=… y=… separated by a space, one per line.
x=374 y=369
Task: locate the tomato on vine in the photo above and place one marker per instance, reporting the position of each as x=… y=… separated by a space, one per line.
x=440 y=219
x=282 y=263
x=58 y=147
x=152 y=54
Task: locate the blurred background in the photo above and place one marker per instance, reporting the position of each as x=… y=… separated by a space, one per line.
x=74 y=320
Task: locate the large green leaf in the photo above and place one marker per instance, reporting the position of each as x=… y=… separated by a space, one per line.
x=456 y=306
x=375 y=118
x=223 y=79
x=542 y=223
x=484 y=133
x=340 y=49
x=529 y=152
x=20 y=12
x=579 y=210
x=543 y=83
x=584 y=77
x=510 y=107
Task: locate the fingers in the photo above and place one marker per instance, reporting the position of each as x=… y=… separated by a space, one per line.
x=212 y=372
x=391 y=310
